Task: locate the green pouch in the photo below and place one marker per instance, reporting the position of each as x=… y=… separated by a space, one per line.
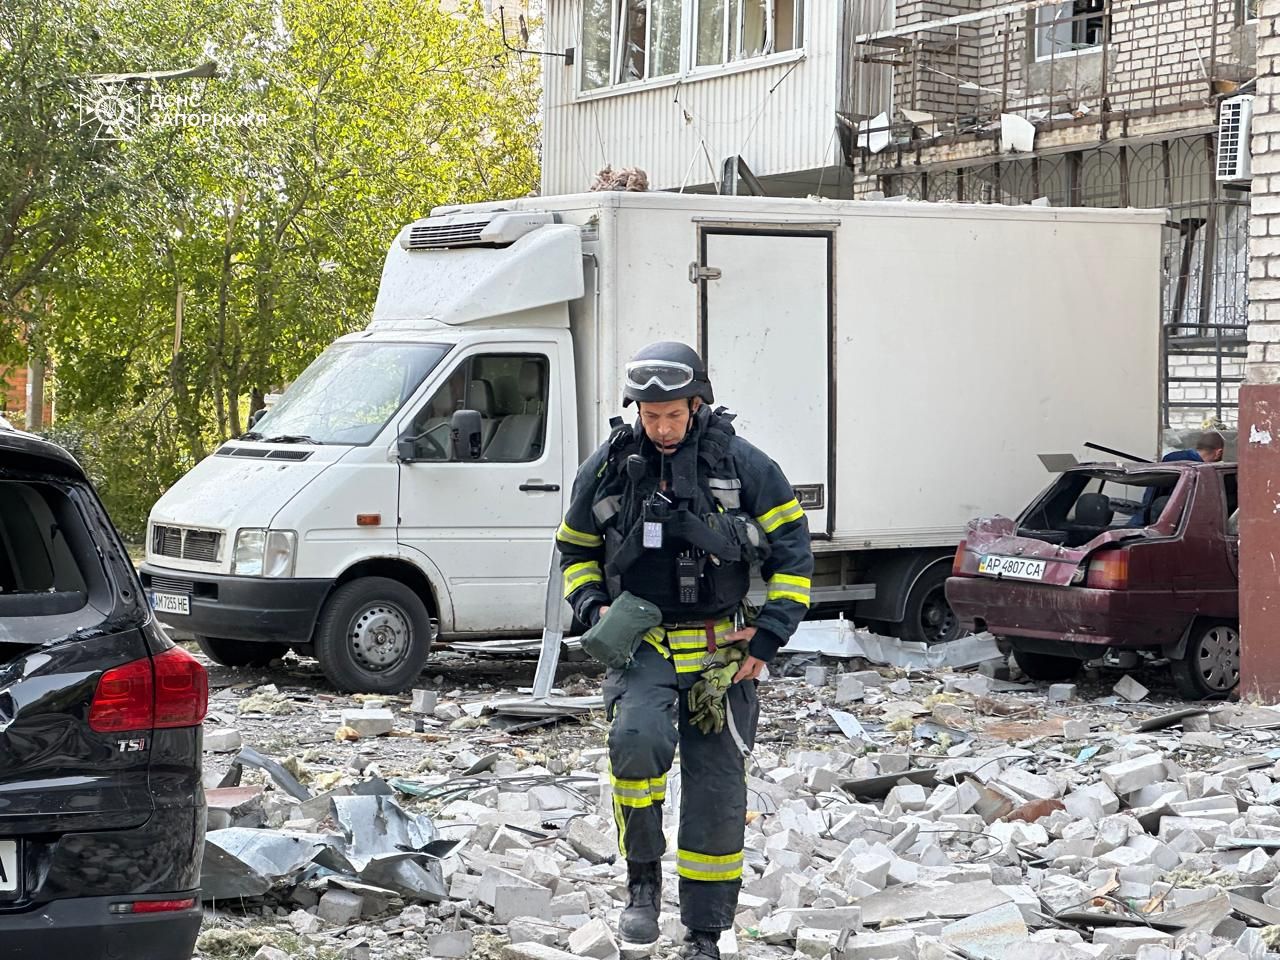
x=616 y=636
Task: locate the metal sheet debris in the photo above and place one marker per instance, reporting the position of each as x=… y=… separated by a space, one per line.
x=241 y=862
x=840 y=639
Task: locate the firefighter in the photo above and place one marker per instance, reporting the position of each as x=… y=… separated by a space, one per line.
x=664 y=524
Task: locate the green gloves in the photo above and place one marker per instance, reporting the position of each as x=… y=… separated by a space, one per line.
x=706 y=699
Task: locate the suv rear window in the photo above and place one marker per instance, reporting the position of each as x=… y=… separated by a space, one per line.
x=49 y=563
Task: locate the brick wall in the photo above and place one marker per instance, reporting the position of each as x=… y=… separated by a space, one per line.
x=1204 y=394
x=1158 y=55
x=13 y=395
x=1264 y=230
x=930 y=86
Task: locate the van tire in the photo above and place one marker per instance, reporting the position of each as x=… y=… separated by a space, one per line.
x=927 y=617
x=1047 y=667
x=374 y=636
x=240 y=653
x=1210 y=667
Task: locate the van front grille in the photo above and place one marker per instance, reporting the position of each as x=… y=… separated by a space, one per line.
x=185 y=543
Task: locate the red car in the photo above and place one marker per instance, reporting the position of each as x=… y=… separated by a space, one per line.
x=1142 y=558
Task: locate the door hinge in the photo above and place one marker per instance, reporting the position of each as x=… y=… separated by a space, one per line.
x=697 y=272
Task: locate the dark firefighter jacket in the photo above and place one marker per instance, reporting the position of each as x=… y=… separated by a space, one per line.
x=732 y=477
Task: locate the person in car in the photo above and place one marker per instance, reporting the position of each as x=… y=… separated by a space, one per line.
x=1208 y=449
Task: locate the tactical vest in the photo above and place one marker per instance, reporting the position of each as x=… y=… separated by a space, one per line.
x=703 y=532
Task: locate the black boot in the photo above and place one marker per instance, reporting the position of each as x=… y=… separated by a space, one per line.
x=638 y=925
x=701 y=945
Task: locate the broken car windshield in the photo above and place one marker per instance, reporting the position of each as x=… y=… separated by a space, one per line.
x=348 y=393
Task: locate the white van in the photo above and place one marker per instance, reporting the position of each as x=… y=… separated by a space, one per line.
x=902 y=380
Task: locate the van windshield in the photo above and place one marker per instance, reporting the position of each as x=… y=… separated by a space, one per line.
x=349 y=392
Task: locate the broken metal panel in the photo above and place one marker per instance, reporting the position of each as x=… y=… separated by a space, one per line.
x=240 y=862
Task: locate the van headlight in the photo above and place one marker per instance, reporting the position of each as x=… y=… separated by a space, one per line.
x=264 y=553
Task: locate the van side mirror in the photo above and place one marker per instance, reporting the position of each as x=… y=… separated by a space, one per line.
x=465 y=433
x=405 y=449
x=256 y=416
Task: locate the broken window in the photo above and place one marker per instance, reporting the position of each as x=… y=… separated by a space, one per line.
x=1081 y=506
x=597 y=34
x=1067 y=28
x=1249 y=10
x=730 y=30
x=628 y=40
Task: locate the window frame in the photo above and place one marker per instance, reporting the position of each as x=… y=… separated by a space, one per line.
x=689 y=71
x=1072 y=21
x=466 y=363
x=1244 y=13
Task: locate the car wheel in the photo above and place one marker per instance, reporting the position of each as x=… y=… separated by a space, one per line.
x=374 y=636
x=928 y=618
x=1210 y=668
x=240 y=653
x=1045 y=666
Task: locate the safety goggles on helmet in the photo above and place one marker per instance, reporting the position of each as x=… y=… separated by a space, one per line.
x=663 y=374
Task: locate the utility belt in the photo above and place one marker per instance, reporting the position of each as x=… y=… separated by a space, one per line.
x=687 y=644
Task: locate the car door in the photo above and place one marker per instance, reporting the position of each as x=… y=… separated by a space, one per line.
x=488 y=524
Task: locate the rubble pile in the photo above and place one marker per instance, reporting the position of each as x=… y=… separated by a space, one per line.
x=895 y=812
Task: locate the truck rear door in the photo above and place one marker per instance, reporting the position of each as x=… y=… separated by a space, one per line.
x=765 y=303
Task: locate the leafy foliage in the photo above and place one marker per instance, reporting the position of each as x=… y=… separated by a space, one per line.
x=174 y=276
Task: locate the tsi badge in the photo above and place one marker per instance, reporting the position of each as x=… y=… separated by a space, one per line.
x=132 y=746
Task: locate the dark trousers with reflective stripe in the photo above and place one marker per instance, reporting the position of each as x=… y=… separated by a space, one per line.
x=648 y=704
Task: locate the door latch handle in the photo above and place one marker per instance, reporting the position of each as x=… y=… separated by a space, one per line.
x=539 y=488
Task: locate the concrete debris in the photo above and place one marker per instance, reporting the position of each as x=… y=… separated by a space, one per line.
x=369 y=723
x=218 y=740
x=1130 y=689
x=913 y=803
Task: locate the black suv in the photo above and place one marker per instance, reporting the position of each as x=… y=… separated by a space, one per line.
x=101 y=806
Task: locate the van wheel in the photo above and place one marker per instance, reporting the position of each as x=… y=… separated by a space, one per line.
x=374 y=636
x=928 y=618
x=1210 y=669
x=240 y=653
x=1045 y=666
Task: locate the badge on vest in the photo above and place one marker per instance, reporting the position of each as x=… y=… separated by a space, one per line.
x=652 y=536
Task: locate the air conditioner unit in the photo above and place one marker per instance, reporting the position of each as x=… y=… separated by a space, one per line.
x=499 y=228
x=1234 y=121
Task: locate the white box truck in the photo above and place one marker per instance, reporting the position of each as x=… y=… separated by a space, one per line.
x=904 y=363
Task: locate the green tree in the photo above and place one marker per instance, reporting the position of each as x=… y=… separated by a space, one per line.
x=235 y=251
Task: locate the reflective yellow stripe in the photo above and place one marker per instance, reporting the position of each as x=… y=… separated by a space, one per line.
x=638 y=793
x=780 y=516
x=799 y=591
x=701 y=866
x=633 y=802
x=619 y=820
x=577 y=537
x=580 y=574
x=689 y=662
x=654 y=639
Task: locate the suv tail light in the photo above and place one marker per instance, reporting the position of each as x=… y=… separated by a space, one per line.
x=957 y=565
x=169 y=690
x=1109 y=570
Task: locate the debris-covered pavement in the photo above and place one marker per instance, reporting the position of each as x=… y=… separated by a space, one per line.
x=930 y=809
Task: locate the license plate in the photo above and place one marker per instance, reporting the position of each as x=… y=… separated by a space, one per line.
x=171 y=603
x=9 y=875
x=1015 y=568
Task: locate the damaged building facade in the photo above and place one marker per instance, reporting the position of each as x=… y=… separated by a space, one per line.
x=1103 y=103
